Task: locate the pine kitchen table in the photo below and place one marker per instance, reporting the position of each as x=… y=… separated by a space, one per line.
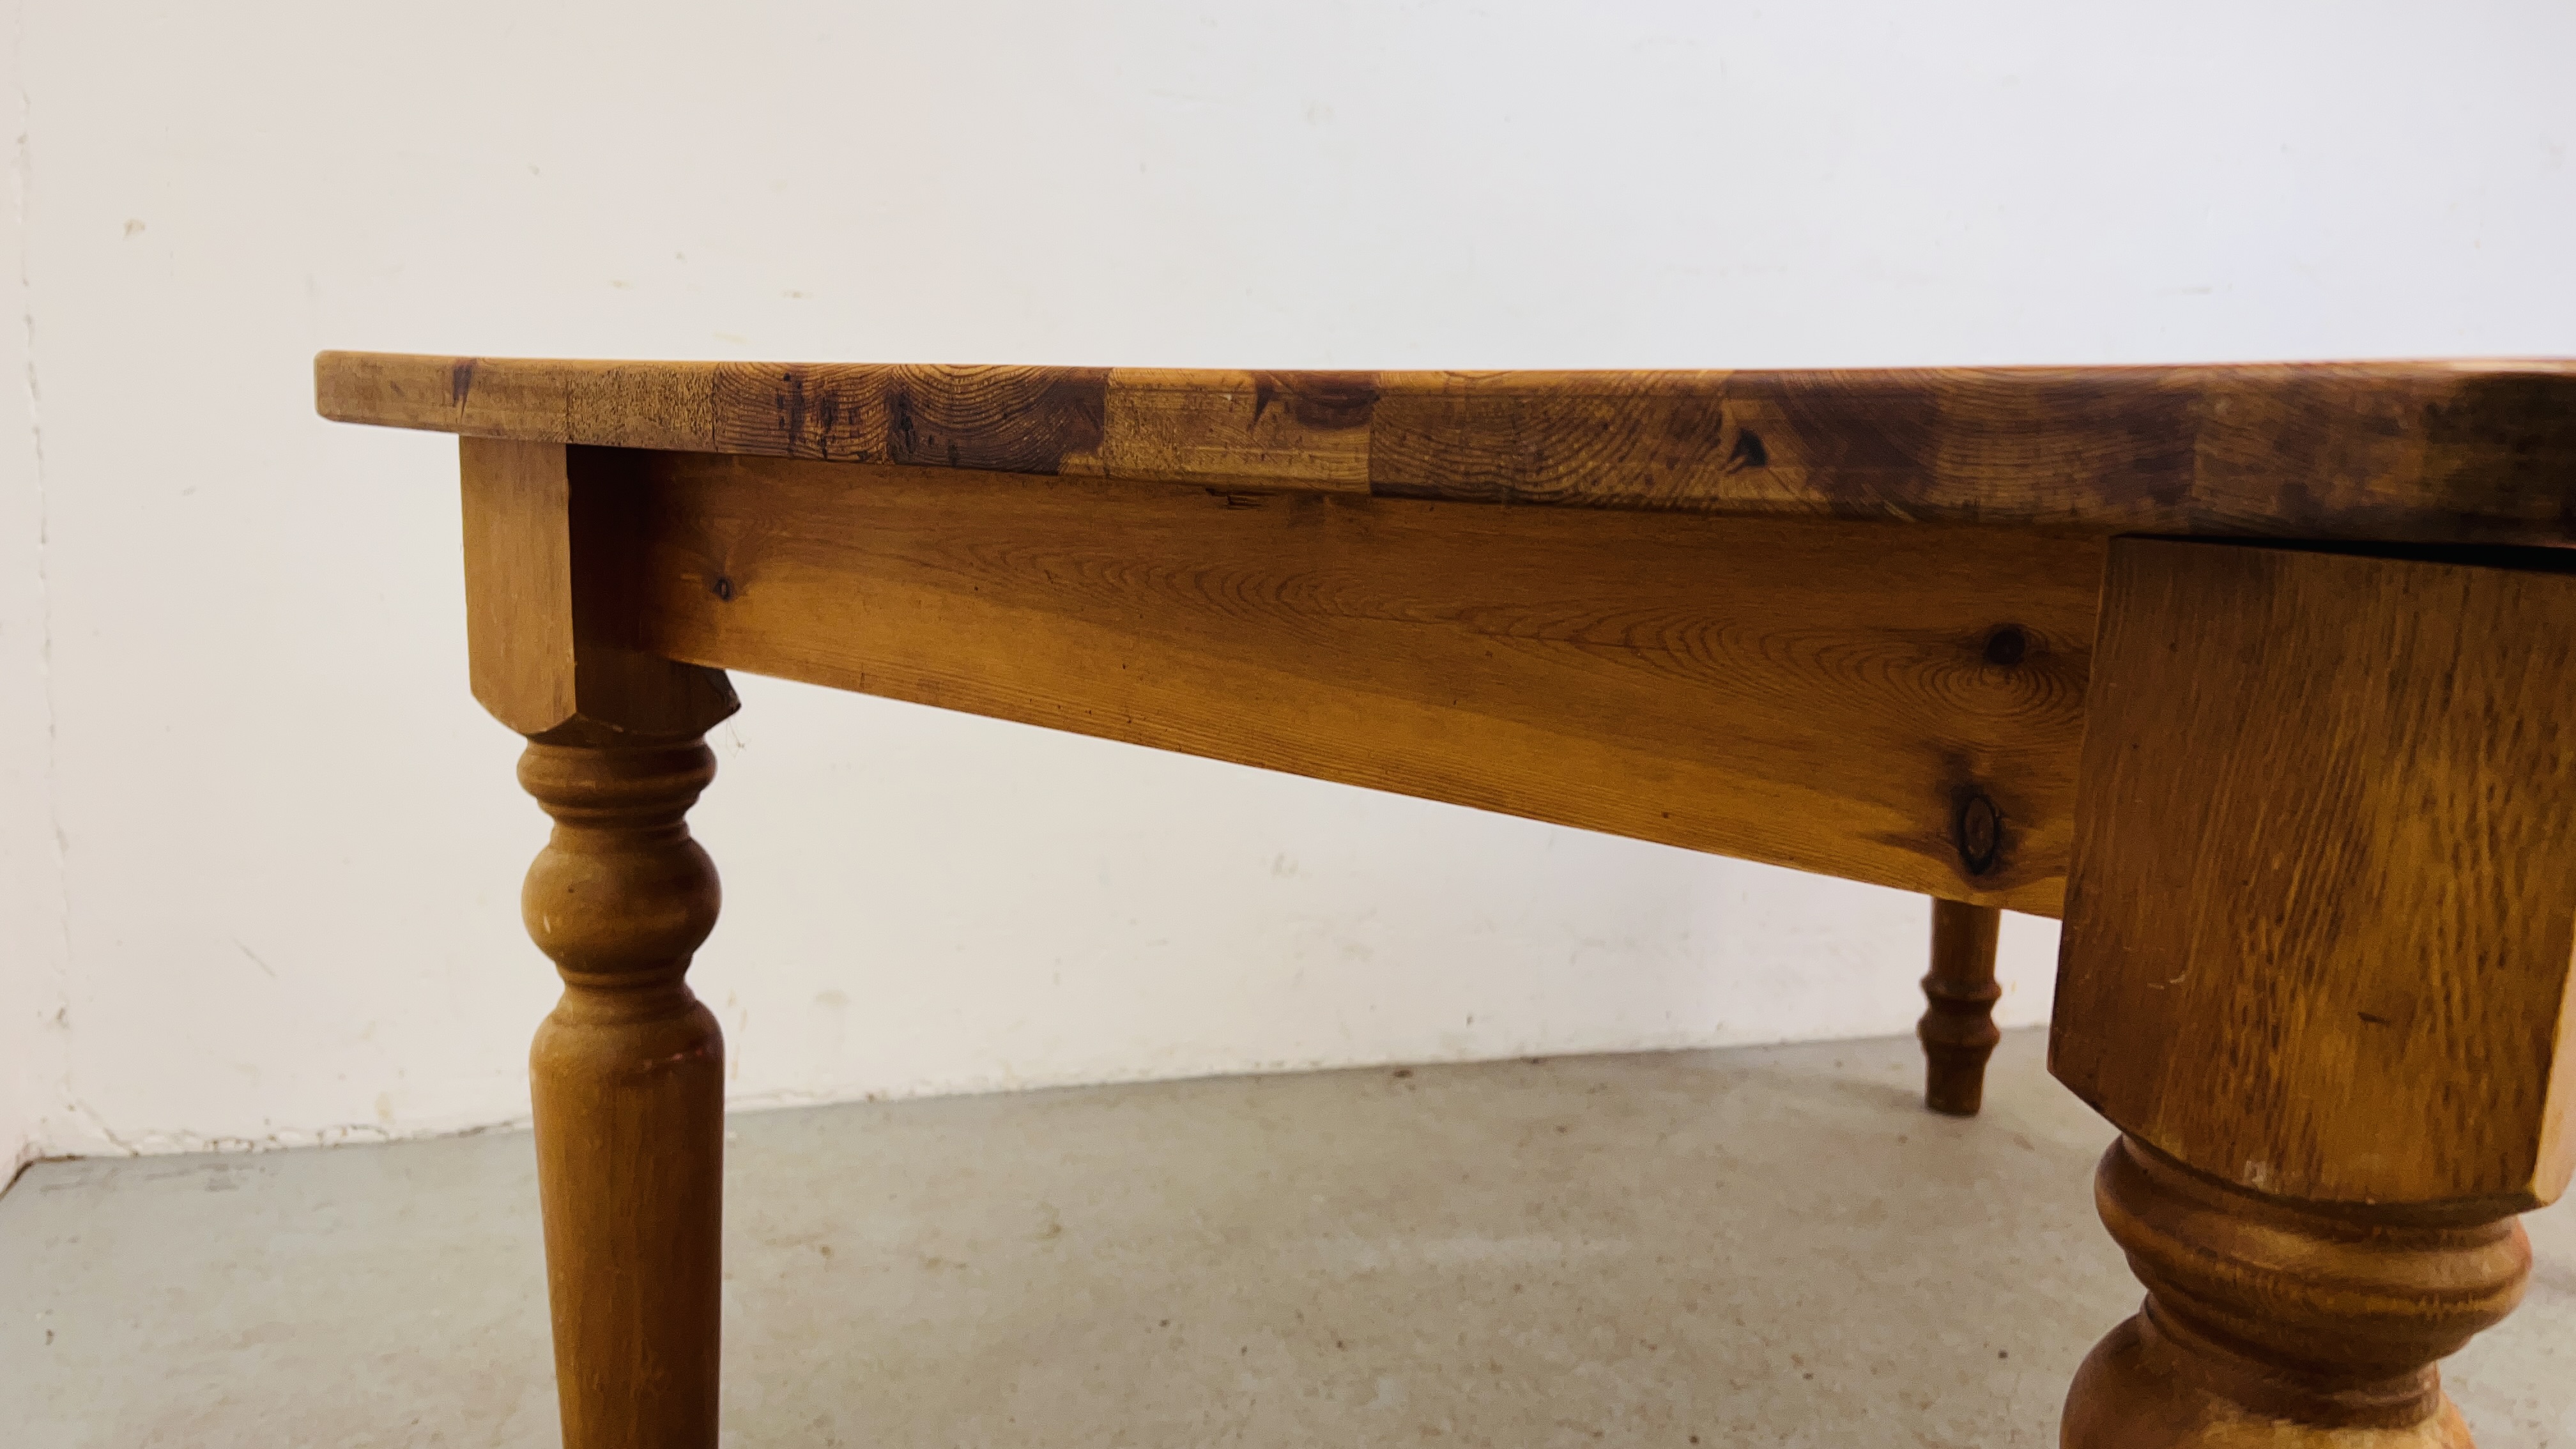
x=2262 y=678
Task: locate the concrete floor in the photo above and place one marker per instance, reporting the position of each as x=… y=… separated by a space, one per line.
x=1772 y=1246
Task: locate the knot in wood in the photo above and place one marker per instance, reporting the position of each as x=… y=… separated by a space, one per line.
x=1977 y=830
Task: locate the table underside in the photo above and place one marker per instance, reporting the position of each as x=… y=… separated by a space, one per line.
x=2295 y=774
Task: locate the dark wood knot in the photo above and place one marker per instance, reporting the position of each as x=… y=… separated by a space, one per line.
x=1978 y=831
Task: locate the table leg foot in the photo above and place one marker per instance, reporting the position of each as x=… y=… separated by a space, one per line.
x=2280 y=1324
x=1958 y=1027
x=628 y=1082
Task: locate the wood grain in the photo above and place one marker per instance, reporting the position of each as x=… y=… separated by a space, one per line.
x=2323 y=901
x=2425 y=451
x=1888 y=704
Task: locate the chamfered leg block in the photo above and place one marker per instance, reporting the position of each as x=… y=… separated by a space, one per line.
x=627 y=1073
x=1958 y=1026
x=2315 y=968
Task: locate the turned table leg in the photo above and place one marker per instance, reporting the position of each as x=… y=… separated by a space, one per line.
x=1958 y=1027
x=2279 y=1323
x=628 y=1079
x=2316 y=969
x=627 y=1074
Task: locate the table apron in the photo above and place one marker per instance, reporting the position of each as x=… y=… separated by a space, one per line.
x=1900 y=704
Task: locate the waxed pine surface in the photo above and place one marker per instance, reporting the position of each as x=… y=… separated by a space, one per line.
x=1773 y=1246
x=2449 y=451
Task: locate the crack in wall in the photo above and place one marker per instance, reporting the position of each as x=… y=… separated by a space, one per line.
x=56 y=1021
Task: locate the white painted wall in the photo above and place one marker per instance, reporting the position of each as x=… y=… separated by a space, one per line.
x=282 y=909
x=31 y=939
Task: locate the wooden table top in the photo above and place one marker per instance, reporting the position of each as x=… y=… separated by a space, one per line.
x=2434 y=452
